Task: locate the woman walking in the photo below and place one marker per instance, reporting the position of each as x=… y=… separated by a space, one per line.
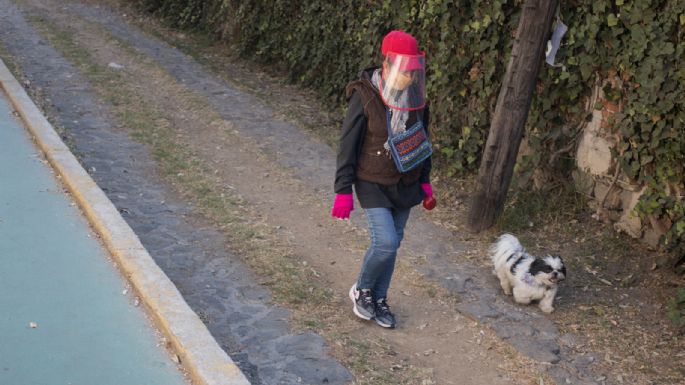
x=384 y=153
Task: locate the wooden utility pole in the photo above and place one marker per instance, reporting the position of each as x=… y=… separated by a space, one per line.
x=513 y=103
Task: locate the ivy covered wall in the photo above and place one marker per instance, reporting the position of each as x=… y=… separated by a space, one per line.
x=632 y=50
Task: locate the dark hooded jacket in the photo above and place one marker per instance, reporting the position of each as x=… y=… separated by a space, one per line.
x=362 y=160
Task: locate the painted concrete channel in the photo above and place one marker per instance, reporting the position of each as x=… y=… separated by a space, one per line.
x=66 y=314
x=92 y=334
x=254 y=334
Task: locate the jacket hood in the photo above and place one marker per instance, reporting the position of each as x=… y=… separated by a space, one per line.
x=366 y=73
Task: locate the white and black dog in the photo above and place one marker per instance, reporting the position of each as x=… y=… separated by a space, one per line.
x=531 y=278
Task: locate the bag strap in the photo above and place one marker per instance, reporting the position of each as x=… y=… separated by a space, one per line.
x=388 y=117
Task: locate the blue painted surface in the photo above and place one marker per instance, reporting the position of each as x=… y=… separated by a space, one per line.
x=54 y=273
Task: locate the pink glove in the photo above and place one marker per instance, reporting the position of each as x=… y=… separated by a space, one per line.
x=428 y=200
x=342 y=206
x=427 y=189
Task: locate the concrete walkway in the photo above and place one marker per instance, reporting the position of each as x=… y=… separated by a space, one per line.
x=66 y=314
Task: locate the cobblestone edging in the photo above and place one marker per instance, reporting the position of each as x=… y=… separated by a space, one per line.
x=313 y=162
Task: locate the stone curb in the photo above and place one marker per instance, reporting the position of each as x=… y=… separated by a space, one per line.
x=199 y=353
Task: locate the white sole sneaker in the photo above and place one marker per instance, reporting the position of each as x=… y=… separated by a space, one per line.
x=383 y=324
x=353 y=297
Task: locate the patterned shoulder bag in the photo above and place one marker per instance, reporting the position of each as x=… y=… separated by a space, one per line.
x=409 y=148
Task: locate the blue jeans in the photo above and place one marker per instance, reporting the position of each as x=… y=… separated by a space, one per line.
x=386 y=227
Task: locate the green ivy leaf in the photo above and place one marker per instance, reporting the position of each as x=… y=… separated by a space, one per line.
x=680 y=229
x=486 y=21
x=646 y=159
x=612 y=20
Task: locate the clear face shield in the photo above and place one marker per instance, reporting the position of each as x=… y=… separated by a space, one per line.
x=404 y=81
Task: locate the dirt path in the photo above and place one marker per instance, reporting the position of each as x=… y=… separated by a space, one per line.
x=261 y=182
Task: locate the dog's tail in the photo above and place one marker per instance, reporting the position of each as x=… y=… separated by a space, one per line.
x=505 y=246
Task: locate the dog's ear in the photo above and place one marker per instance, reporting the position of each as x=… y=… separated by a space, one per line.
x=563 y=265
x=539 y=266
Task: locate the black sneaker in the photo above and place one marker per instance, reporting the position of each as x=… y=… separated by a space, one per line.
x=383 y=315
x=363 y=303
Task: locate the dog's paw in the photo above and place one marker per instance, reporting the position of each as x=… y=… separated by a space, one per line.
x=522 y=300
x=506 y=290
x=547 y=309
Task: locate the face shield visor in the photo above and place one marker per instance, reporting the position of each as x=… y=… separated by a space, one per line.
x=404 y=81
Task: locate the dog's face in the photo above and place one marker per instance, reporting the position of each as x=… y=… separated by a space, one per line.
x=549 y=270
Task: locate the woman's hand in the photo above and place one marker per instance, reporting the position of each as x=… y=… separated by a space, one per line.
x=427 y=190
x=342 y=206
x=428 y=200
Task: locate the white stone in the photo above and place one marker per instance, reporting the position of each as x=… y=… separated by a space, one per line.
x=629 y=222
x=594 y=152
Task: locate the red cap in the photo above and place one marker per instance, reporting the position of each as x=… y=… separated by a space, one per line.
x=400 y=42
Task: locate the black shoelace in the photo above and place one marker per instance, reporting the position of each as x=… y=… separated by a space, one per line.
x=383 y=306
x=365 y=297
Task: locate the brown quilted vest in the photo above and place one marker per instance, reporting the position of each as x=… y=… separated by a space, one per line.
x=375 y=163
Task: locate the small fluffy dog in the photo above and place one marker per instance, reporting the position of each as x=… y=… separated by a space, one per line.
x=531 y=278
